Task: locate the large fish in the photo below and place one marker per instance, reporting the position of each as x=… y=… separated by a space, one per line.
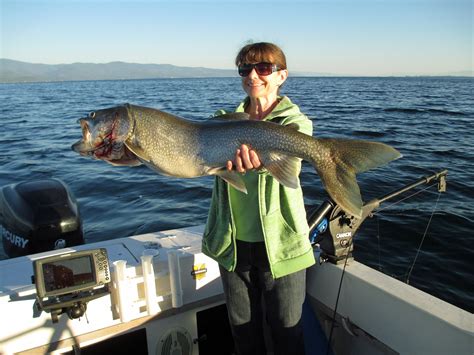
x=173 y=146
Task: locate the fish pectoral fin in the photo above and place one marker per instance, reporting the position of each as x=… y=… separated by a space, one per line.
x=138 y=151
x=124 y=162
x=128 y=158
x=231 y=177
x=285 y=169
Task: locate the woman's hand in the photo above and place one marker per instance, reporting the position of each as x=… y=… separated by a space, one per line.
x=245 y=159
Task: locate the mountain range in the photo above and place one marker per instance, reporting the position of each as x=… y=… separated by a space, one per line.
x=13 y=71
x=16 y=71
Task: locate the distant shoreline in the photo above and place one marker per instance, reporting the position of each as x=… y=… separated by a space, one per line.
x=236 y=77
x=17 y=72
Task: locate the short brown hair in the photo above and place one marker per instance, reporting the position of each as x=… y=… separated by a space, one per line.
x=261 y=52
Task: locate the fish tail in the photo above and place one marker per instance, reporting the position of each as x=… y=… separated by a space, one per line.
x=337 y=162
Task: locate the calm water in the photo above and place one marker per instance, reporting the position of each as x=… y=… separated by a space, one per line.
x=430 y=120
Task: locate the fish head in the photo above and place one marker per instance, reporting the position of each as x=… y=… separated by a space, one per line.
x=104 y=133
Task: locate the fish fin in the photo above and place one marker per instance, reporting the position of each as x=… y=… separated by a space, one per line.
x=138 y=151
x=231 y=177
x=285 y=169
x=341 y=185
x=128 y=159
x=294 y=126
x=124 y=162
x=362 y=155
x=234 y=116
x=342 y=160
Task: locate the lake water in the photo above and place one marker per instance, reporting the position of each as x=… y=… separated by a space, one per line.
x=430 y=120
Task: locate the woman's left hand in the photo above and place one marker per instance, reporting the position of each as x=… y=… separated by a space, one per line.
x=245 y=159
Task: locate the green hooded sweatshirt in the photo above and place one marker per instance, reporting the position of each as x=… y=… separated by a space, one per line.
x=281 y=212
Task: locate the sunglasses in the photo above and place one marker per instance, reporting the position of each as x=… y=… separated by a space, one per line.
x=263 y=69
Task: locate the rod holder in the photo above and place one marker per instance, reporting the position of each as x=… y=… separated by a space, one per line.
x=150 y=286
x=175 y=279
x=121 y=282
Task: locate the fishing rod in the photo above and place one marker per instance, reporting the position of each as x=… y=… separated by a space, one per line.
x=333 y=229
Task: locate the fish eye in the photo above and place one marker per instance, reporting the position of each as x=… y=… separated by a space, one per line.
x=92 y=114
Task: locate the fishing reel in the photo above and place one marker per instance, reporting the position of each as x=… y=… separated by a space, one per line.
x=333 y=231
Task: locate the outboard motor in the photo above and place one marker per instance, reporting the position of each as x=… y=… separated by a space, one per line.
x=38 y=216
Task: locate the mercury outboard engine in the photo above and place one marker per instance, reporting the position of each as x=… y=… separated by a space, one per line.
x=38 y=216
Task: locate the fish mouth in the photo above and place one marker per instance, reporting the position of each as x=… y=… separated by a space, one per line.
x=84 y=146
x=86 y=149
x=103 y=135
x=80 y=147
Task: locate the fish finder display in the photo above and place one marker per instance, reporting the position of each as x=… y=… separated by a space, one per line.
x=71 y=273
x=66 y=282
x=67 y=273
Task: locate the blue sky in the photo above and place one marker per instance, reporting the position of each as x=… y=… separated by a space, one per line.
x=366 y=37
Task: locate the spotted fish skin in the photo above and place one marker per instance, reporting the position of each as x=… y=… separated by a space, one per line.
x=174 y=146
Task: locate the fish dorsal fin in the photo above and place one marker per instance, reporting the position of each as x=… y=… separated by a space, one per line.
x=234 y=116
x=293 y=126
x=138 y=151
x=231 y=177
x=282 y=167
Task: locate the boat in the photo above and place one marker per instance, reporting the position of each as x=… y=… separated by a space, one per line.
x=157 y=293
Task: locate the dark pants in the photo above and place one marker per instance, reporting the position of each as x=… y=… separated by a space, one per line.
x=244 y=290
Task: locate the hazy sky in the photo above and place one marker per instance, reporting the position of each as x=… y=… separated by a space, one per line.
x=366 y=37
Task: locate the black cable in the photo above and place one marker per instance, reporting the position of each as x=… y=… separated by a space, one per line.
x=337 y=298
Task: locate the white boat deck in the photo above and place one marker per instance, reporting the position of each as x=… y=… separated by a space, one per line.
x=380 y=315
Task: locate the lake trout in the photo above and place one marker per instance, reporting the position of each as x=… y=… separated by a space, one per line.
x=174 y=146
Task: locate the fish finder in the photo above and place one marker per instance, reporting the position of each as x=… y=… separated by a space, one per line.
x=66 y=282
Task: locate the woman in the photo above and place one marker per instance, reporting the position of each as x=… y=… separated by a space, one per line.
x=260 y=239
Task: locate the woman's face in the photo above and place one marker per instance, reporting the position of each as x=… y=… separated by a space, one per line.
x=263 y=86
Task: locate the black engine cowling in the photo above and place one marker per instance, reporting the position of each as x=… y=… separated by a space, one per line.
x=38 y=216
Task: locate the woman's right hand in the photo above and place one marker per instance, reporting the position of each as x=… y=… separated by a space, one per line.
x=245 y=159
